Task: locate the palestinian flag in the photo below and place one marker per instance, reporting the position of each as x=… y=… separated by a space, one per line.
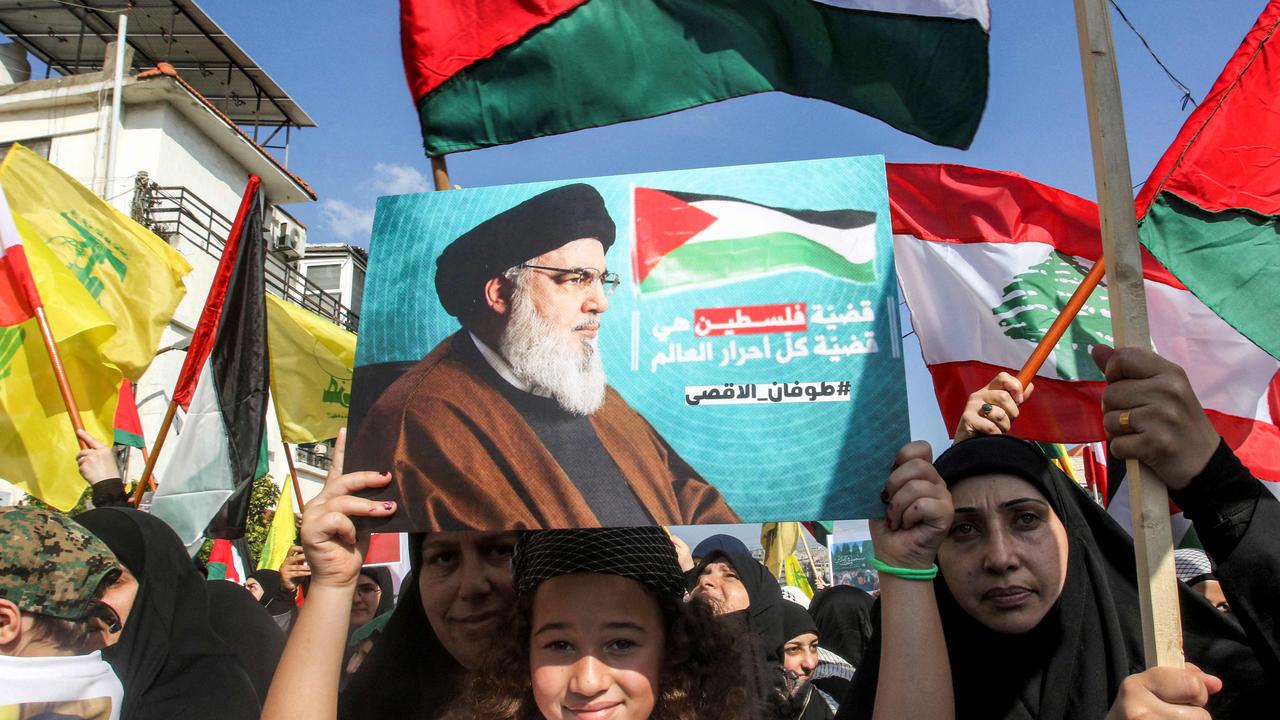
x=684 y=240
x=489 y=72
x=1211 y=209
x=204 y=487
x=225 y=563
x=986 y=260
x=127 y=425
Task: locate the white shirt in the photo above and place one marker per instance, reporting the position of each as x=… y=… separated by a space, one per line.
x=54 y=684
x=500 y=366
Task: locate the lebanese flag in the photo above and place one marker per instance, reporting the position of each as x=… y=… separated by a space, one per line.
x=204 y=486
x=1211 y=209
x=489 y=72
x=987 y=259
x=18 y=296
x=685 y=240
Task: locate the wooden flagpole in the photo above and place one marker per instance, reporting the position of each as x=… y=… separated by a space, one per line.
x=293 y=471
x=147 y=480
x=1149 y=498
x=60 y=373
x=440 y=172
x=1059 y=326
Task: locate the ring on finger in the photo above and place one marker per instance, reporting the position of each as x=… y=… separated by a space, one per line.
x=1125 y=427
x=986 y=409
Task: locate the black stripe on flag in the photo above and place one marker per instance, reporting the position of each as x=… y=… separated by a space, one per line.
x=238 y=366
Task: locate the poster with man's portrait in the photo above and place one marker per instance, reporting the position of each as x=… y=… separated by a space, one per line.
x=701 y=346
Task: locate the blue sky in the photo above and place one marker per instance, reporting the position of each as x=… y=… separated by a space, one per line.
x=341 y=62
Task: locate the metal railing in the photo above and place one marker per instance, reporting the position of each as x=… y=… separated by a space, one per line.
x=307 y=454
x=175 y=212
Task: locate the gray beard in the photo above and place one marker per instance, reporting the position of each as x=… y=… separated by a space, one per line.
x=559 y=366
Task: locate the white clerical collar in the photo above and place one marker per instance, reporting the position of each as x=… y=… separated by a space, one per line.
x=500 y=366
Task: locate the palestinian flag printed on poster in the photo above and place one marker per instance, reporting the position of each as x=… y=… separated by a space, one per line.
x=1211 y=209
x=204 y=481
x=533 y=69
x=687 y=240
x=987 y=259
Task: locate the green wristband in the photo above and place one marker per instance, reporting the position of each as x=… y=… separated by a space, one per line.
x=928 y=573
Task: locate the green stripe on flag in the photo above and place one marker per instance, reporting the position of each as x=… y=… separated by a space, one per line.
x=614 y=60
x=1230 y=260
x=124 y=437
x=719 y=260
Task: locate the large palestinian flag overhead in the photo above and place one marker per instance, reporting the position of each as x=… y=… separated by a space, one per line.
x=685 y=240
x=489 y=72
x=987 y=260
x=1211 y=209
x=204 y=481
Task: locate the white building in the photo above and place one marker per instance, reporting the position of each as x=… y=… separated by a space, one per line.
x=185 y=148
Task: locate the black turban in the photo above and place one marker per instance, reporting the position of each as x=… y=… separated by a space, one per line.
x=644 y=554
x=538 y=225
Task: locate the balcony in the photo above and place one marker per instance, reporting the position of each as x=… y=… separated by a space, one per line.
x=177 y=213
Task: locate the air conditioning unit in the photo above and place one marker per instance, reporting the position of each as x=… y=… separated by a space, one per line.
x=288 y=240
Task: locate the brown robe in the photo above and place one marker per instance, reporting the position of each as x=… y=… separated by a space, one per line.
x=463 y=458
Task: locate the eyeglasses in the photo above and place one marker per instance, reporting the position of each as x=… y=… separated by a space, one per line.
x=582 y=278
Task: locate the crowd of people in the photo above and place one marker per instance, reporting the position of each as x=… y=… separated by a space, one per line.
x=1006 y=591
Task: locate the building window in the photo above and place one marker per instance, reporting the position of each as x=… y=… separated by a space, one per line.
x=39 y=146
x=326 y=277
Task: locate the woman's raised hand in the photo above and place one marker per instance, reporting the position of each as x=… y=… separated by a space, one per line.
x=991 y=410
x=918 y=510
x=334 y=551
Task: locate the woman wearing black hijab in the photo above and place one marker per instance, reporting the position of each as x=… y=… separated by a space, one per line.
x=843 y=616
x=247 y=628
x=800 y=659
x=168 y=657
x=740 y=590
x=1041 y=580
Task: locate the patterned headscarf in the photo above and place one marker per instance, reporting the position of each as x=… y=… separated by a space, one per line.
x=644 y=554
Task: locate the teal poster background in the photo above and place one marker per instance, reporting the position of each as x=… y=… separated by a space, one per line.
x=775 y=450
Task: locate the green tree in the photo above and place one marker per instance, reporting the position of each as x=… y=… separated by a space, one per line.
x=262 y=499
x=1035 y=298
x=81 y=505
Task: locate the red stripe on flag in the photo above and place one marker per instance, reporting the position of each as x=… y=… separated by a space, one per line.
x=16 y=288
x=961 y=204
x=1058 y=411
x=1221 y=159
x=207 y=328
x=663 y=223
x=127 y=421
x=440 y=38
x=1071 y=412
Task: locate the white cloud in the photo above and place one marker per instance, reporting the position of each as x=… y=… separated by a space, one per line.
x=346 y=220
x=393 y=179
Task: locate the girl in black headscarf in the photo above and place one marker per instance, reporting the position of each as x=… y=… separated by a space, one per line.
x=168 y=658
x=800 y=659
x=1042 y=581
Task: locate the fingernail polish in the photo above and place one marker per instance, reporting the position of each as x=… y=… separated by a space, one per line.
x=388 y=506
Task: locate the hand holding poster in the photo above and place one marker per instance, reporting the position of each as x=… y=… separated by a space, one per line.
x=747 y=368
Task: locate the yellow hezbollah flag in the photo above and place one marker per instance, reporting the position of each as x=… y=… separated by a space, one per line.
x=795 y=576
x=37 y=442
x=281 y=534
x=779 y=541
x=132 y=274
x=311 y=364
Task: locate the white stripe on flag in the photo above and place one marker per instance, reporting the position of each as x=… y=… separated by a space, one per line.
x=956 y=9
x=196 y=478
x=735 y=220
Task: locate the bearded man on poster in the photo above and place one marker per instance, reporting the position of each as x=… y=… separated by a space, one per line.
x=509 y=422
